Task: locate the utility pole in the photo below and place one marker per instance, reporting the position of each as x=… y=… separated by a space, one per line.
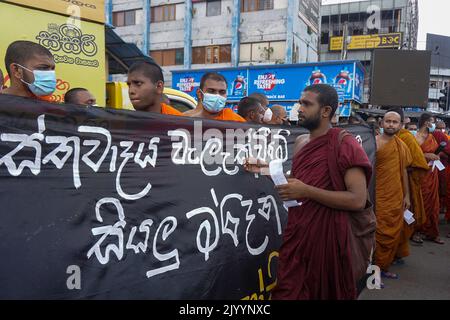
x=344 y=41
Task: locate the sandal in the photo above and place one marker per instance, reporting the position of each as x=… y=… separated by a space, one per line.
x=417 y=239
x=389 y=275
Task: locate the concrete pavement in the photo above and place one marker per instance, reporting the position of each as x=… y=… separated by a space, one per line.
x=425 y=276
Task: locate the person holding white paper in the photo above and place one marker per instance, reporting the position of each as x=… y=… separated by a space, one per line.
x=430 y=184
x=392 y=191
x=316 y=259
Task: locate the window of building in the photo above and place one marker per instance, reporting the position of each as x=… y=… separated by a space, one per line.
x=163 y=13
x=262 y=51
x=169 y=57
x=213 y=8
x=256 y=5
x=211 y=54
x=325 y=38
x=124 y=18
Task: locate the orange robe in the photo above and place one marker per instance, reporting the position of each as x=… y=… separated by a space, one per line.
x=392 y=159
x=166 y=109
x=447 y=198
x=430 y=192
x=229 y=115
x=417 y=171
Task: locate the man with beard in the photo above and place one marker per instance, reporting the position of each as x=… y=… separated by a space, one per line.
x=392 y=191
x=416 y=172
x=315 y=259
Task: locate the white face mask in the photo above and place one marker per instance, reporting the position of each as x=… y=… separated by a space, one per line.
x=268 y=115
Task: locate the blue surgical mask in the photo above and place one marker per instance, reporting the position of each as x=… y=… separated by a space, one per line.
x=213 y=103
x=44 y=82
x=433 y=128
x=413 y=132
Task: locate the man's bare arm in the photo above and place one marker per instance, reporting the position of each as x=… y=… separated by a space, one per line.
x=353 y=199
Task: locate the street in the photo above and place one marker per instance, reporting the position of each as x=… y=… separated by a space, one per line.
x=424 y=276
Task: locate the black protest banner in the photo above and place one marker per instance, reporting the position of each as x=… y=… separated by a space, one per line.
x=107 y=204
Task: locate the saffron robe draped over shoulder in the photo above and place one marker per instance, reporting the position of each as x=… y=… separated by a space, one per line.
x=417 y=171
x=392 y=159
x=430 y=191
x=315 y=258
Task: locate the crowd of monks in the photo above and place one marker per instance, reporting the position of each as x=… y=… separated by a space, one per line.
x=409 y=177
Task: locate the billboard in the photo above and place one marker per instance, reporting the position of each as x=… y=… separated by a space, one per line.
x=86 y=9
x=440 y=46
x=78 y=47
x=400 y=78
x=309 y=12
x=390 y=40
x=280 y=83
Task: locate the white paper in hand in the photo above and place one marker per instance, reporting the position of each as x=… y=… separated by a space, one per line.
x=436 y=164
x=277 y=174
x=409 y=217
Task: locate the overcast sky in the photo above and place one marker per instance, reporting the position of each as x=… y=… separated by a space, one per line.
x=434 y=17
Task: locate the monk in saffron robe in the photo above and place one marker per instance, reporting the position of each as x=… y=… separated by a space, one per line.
x=417 y=170
x=430 y=184
x=315 y=258
x=166 y=109
x=145 y=88
x=440 y=138
x=211 y=97
x=392 y=191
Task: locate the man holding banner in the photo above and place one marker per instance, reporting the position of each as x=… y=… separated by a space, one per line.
x=330 y=175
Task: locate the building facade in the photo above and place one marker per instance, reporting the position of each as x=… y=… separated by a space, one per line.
x=197 y=34
x=367 y=25
x=440 y=71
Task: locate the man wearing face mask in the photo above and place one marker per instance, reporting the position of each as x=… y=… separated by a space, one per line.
x=441 y=137
x=251 y=110
x=430 y=183
x=32 y=70
x=268 y=114
x=211 y=97
x=279 y=116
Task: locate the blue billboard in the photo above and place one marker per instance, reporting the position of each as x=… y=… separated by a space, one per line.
x=281 y=83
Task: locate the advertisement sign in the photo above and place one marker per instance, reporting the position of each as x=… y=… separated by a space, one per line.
x=78 y=47
x=280 y=83
x=190 y=82
x=85 y=9
x=309 y=12
x=390 y=40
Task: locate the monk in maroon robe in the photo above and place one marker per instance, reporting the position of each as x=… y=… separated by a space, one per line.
x=315 y=257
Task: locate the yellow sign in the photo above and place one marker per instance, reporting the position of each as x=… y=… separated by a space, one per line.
x=390 y=40
x=78 y=47
x=85 y=9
